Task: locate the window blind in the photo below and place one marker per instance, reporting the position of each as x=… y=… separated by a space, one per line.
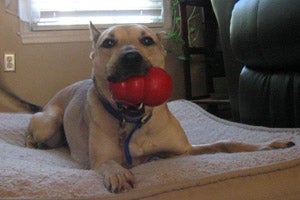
x=76 y=14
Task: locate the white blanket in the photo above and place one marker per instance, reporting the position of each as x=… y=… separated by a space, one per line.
x=52 y=174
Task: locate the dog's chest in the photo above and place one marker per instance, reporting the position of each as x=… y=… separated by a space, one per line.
x=124 y=131
x=130 y=135
x=136 y=142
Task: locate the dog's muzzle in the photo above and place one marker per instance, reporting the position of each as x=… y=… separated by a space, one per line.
x=131 y=63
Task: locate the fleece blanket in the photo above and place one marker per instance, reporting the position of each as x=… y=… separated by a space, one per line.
x=52 y=174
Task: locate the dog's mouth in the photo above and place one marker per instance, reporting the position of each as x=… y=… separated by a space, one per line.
x=132 y=111
x=130 y=64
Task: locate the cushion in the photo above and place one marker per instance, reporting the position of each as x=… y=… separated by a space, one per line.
x=52 y=174
x=270 y=99
x=265 y=33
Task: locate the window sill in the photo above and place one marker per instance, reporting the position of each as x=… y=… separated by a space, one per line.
x=54 y=37
x=34 y=37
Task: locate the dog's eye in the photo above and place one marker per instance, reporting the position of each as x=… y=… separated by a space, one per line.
x=109 y=43
x=147 y=41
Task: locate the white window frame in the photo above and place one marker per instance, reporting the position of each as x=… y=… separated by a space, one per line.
x=59 y=36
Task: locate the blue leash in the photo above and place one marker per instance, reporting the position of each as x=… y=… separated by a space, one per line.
x=139 y=123
x=127 y=141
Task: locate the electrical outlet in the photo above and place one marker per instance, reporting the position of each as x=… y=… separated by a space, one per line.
x=9 y=62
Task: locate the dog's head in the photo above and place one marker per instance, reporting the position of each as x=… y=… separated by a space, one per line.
x=123 y=51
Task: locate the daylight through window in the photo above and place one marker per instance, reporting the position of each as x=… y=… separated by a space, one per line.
x=76 y=14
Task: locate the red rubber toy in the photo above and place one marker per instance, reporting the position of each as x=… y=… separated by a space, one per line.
x=152 y=89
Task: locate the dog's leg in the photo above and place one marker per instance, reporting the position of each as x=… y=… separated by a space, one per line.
x=105 y=156
x=45 y=128
x=233 y=147
x=116 y=178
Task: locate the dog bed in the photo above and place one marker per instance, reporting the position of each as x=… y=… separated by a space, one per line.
x=52 y=174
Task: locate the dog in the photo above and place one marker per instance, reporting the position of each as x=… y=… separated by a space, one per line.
x=109 y=137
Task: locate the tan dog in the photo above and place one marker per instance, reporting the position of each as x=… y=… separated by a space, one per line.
x=96 y=128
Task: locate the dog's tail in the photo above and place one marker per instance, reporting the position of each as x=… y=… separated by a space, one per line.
x=13 y=103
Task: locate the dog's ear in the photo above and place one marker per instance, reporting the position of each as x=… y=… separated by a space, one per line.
x=94 y=36
x=94 y=33
x=162 y=37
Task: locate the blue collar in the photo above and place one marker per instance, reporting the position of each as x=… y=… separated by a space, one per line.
x=122 y=114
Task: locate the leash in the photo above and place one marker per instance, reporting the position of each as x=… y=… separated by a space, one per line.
x=138 y=124
x=135 y=117
x=141 y=122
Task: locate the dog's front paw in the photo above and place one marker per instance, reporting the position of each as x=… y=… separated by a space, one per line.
x=29 y=141
x=279 y=145
x=119 y=181
x=116 y=178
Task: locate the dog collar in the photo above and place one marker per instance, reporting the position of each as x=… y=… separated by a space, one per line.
x=119 y=112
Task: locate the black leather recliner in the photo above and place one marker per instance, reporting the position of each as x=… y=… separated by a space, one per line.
x=261 y=46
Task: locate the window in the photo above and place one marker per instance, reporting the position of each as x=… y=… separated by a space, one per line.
x=74 y=14
x=58 y=17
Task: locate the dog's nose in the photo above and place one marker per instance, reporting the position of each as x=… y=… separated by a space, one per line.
x=131 y=58
x=130 y=63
